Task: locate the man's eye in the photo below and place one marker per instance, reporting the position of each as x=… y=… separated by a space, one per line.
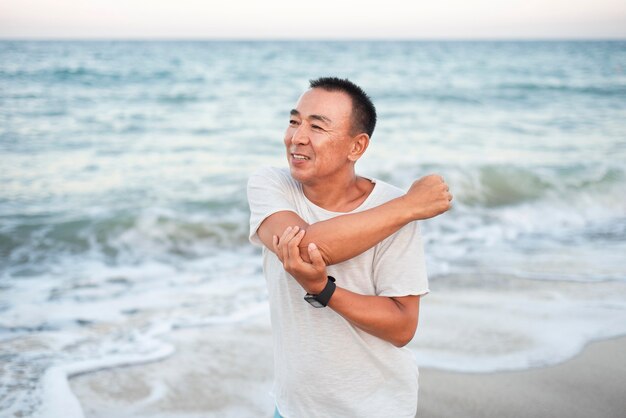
x=293 y=122
x=316 y=127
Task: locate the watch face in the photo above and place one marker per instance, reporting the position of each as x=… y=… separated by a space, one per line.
x=311 y=299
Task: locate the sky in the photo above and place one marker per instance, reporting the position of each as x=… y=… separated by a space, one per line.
x=313 y=19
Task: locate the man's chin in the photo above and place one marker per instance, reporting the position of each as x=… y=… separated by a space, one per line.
x=297 y=174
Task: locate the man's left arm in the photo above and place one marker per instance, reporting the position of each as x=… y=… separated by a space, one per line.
x=393 y=319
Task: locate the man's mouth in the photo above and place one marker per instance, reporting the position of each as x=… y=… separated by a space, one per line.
x=300 y=157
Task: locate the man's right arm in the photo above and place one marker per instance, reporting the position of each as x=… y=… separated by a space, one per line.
x=346 y=236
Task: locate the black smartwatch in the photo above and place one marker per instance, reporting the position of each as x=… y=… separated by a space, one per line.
x=321 y=300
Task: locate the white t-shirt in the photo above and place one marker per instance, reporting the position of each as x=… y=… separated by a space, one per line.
x=323 y=365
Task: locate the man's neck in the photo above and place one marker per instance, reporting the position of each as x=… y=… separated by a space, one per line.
x=342 y=194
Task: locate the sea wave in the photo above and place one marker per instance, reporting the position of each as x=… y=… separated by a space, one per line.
x=502 y=202
x=87 y=75
x=497 y=185
x=125 y=236
x=447 y=96
x=608 y=90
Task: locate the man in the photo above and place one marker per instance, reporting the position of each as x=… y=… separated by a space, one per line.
x=343 y=261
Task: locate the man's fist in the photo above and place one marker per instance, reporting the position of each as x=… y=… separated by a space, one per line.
x=428 y=197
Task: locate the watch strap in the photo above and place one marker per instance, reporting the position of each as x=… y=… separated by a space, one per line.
x=324 y=296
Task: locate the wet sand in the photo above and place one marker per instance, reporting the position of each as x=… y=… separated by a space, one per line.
x=226 y=371
x=217 y=371
x=593 y=384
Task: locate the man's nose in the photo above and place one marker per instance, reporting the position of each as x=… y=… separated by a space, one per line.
x=300 y=136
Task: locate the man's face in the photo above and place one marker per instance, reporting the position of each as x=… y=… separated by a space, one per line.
x=318 y=139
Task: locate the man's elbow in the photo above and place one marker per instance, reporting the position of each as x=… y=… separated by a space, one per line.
x=405 y=335
x=322 y=247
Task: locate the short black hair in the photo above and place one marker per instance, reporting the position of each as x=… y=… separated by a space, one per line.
x=363 y=110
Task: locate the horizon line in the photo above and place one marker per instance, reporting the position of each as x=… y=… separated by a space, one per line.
x=337 y=39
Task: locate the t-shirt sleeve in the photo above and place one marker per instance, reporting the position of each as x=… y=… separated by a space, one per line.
x=268 y=193
x=399 y=264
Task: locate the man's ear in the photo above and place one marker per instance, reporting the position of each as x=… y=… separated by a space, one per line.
x=359 y=145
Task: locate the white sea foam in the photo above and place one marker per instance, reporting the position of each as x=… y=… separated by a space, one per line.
x=58 y=399
x=488 y=330
x=115 y=317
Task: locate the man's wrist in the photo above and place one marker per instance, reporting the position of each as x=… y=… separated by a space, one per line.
x=318 y=287
x=321 y=299
x=407 y=212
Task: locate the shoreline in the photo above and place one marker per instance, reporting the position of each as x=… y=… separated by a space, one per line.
x=226 y=371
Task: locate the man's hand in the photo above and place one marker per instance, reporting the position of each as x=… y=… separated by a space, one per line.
x=428 y=197
x=311 y=276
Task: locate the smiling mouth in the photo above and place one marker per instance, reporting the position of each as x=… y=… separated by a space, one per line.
x=300 y=157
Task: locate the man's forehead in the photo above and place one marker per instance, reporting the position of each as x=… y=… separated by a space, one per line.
x=328 y=105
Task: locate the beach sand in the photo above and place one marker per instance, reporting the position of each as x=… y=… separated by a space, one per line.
x=226 y=371
x=216 y=371
x=593 y=384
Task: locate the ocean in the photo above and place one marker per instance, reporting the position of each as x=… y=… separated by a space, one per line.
x=123 y=212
